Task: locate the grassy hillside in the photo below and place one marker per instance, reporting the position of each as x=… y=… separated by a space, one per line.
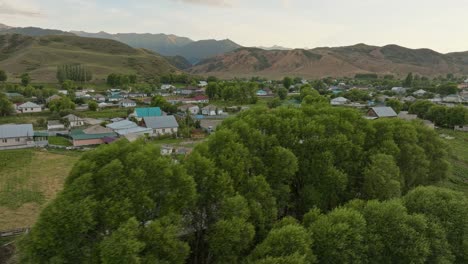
x=40 y=56
x=28 y=180
x=337 y=62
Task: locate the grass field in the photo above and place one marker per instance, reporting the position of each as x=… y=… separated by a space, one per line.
x=59 y=141
x=28 y=180
x=458 y=159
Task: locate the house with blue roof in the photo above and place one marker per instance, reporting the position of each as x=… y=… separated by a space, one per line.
x=142 y=112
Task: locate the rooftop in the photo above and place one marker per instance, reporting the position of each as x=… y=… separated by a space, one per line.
x=161 y=122
x=12 y=130
x=148 y=111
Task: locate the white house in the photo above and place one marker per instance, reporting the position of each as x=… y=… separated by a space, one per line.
x=453 y=98
x=74 y=121
x=99 y=97
x=127 y=103
x=399 y=90
x=162 y=125
x=29 y=107
x=55 y=125
x=167 y=86
x=339 y=101
x=193 y=109
x=202 y=84
x=16 y=136
x=211 y=110
x=419 y=92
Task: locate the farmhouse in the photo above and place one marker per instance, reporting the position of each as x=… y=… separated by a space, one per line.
x=91 y=136
x=16 y=136
x=74 y=121
x=126 y=127
x=127 y=103
x=381 y=112
x=211 y=110
x=55 y=125
x=193 y=109
x=162 y=125
x=339 y=101
x=29 y=107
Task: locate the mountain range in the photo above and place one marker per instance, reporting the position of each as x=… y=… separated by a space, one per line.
x=340 y=61
x=164 y=44
x=222 y=58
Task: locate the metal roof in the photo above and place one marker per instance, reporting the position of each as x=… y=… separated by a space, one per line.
x=384 y=111
x=161 y=122
x=148 y=111
x=124 y=124
x=131 y=130
x=29 y=105
x=13 y=131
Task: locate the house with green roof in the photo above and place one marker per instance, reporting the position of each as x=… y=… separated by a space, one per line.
x=93 y=135
x=143 y=112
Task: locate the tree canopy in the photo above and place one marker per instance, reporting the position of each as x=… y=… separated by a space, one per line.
x=314 y=184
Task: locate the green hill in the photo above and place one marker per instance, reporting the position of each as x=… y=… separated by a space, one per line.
x=40 y=56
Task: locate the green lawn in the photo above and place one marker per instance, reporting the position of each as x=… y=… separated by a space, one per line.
x=106 y=113
x=28 y=180
x=458 y=159
x=60 y=141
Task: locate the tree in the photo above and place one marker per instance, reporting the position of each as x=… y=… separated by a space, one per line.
x=339 y=237
x=457 y=116
x=92 y=105
x=446 y=208
x=6 y=107
x=408 y=82
x=447 y=88
x=62 y=104
x=382 y=178
x=438 y=115
x=287 y=82
x=282 y=93
x=25 y=79
x=286 y=241
x=122 y=245
x=3 y=76
x=420 y=108
x=395 y=104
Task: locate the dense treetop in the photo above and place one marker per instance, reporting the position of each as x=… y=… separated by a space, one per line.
x=288 y=185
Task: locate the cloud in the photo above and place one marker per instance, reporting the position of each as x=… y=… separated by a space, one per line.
x=12 y=9
x=218 y=3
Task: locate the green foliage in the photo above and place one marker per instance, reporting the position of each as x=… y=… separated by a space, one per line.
x=408 y=82
x=282 y=93
x=287 y=82
x=160 y=101
x=366 y=76
x=74 y=72
x=441 y=115
x=382 y=178
x=357 y=95
x=3 y=76
x=395 y=104
x=119 y=80
x=62 y=104
x=25 y=79
x=92 y=105
x=236 y=92
x=447 y=88
x=6 y=107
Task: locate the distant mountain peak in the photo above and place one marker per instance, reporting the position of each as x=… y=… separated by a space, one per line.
x=3 y=26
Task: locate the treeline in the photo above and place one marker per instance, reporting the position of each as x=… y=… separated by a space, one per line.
x=73 y=72
x=117 y=80
x=285 y=185
x=441 y=115
x=238 y=92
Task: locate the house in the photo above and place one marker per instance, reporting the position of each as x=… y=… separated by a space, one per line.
x=419 y=92
x=261 y=93
x=193 y=109
x=211 y=110
x=408 y=99
x=202 y=83
x=53 y=97
x=94 y=135
x=16 y=136
x=461 y=128
x=126 y=127
x=162 y=125
x=339 y=101
x=29 y=107
x=189 y=90
x=99 y=98
x=399 y=90
x=127 y=103
x=142 y=112
x=381 y=112
x=200 y=99
x=452 y=98
x=55 y=125
x=64 y=92
x=74 y=121
x=167 y=86
x=114 y=97
x=136 y=95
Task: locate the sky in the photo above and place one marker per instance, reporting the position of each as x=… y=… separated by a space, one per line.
x=434 y=24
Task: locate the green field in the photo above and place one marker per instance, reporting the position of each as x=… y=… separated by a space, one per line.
x=458 y=159
x=59 y=141
x=28 y=180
